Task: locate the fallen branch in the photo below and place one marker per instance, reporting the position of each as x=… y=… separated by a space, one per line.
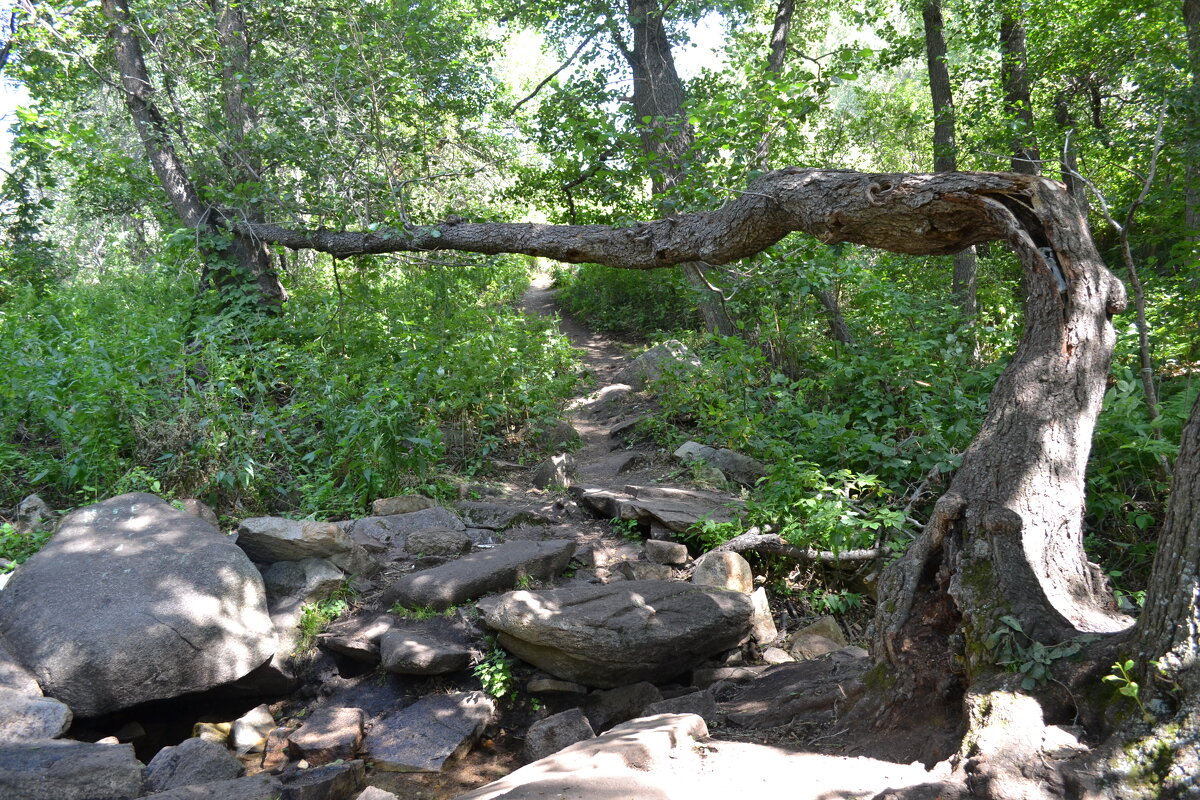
x=754 y=540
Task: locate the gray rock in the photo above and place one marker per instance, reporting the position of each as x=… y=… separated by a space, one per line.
x=357 y=637
x=555 y=435
x=670 y=356
x=605 y=402
x=132 y=600
x=547 y=736
x=500 y=516
x=33 y=514
x=438 y=543
x=609 y=708
x=202 y=510
x=329 y=734
x=701 y=704
x=810 y=646
x=648 y=759
x=737 y=467
x=383 y=533
x=724 y=571
x=780 y=693
x=674 y=509
x=14 y=676
x=660 y=552
x=257 y=787
x=611 y=466
x=762 y=624
x=776 y=655
x=644 y=571
x=825 y=626
x=299 y=582
x=422 y=737
x=56 y=769
x=557 y=470
x=408 y=652
x=481 y=573
x=404 y=504
x=270 y=539
x=544 y=685
x=249 y=732
x=375 y=793
x=23 y=717
x=190 y=762
x=707 y=676
x=618 y=634
x=328 y=782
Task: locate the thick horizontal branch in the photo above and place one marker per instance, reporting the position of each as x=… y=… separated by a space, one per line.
x=757 y=542
x=911 y=213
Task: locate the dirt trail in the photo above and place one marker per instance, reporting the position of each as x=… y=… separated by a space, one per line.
x=728 y=767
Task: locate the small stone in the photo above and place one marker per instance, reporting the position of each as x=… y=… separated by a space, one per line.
x=554 y=686
x=327 y=782
x=407 y=652
x=806 y=648
x=645 y=571
x=825 y=626
x=662 y=552
x=190 y=762
x=725 y=571
x=275 y=756
x=249 y=731
x=549 y=735
x=438 y=543
x=557 y=470
x=331 y=733
x=762 y=624
x=217 y=732
x=375 y=793
x=23 y=717
x=774 y=655
x=405 y=504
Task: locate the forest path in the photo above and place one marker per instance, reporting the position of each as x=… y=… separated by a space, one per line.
x=766 y=764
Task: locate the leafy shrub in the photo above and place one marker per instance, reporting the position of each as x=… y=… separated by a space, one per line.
x=16 y=547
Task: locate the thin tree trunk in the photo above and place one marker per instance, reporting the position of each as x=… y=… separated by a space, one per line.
x=780 y=31
x=155 y=135
x=658 y=95
x=1018 y=107
x=945 y=147
x=1191 y=19
x=839 y=331
x=1069 y=162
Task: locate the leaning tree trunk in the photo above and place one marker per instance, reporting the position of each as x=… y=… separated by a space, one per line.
x=244 y=251
x=1006 y=538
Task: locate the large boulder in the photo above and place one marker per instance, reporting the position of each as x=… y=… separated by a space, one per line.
x=622 y=633
x=132 y=600
x=481 y=573
x=23 y=717
x=670 y=356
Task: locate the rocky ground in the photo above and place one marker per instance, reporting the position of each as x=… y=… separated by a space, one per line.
x=641 y=670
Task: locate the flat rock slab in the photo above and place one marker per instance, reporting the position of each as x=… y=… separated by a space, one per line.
x=132 y=600
x=808 y=689
x=423 y=736
x=644 y=759
x=257 y=787
x=382 y=533
x=52 y=769
x=357 y=637
x=674 y=509
x=23 y=717
x=471 y=577
x=416 y=652
x=329 y=734
x=192 y=761
x=270 y=539
x=618 y=634
x=500 y=516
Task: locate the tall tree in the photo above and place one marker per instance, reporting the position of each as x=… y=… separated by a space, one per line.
x=945 y=146
x=1018 y=104
x=1191 y=19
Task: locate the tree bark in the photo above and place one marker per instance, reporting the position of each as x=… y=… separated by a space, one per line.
x=244 y=251
x=1069 y=163
x=1018 y=107
x=1191 y=19
x=780 y=30
x=945 y=147
x=659 y=97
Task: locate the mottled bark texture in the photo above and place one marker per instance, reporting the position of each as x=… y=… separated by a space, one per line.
x=945 y=146
x=1191 y=19
x=659 y=96
x=1018 y=107
x=244 y=251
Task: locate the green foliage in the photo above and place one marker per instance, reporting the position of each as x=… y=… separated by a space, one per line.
x=1015 y=650
x=1122 y=678
x=16 y=547
x=316 y=617
x=421 y=612
x=626 y=529
x=495 y=673
x=350 y=395
x=631 y=302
